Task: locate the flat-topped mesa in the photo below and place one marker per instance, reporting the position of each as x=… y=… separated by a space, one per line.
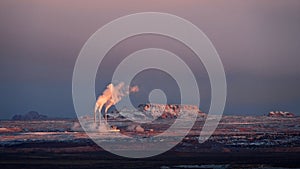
x=169 y=110
x=280 y=114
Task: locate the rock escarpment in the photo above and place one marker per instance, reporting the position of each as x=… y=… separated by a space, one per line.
x=165 y=111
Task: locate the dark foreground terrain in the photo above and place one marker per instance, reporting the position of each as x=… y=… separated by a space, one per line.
x=173 y=159
x=238 y=142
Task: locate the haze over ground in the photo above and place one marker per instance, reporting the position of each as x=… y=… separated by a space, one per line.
x=258 y=43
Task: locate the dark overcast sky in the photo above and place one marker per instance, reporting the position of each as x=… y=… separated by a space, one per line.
x=258 y=43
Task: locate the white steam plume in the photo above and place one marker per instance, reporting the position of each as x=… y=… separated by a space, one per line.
x=111 y=96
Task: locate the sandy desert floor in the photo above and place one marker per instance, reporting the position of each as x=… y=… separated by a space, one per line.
x=238 y=142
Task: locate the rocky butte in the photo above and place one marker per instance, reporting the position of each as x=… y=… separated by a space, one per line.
x=152 y=111
x=32 y=115
x=168 y=110
x=280 y=114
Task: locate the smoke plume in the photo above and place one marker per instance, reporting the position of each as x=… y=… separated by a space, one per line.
x=112 y=95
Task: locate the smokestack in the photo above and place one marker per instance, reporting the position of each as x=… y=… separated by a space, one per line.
x=111 y=96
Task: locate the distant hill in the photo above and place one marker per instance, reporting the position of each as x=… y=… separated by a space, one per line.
x=280 y=114
x=169 y=110
x=32 y=115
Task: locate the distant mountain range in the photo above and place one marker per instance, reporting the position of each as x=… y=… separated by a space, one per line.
x=32 y=115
